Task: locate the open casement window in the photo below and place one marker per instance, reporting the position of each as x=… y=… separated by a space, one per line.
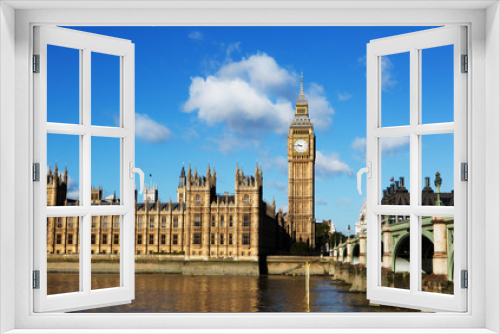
x=413 y=228
x=68 y=129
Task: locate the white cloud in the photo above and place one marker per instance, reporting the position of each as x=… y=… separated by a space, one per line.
x=359 y=144
x=330 y=165
x=281 y=186
x=196 y=35
x=321 y=202
x=253 y=95
x=279 y=163
x=343 y=96
x=388 y=78
x=345 y=201
x=229 y=142
x=73 y=191
x=149 y=130
x=392 y=146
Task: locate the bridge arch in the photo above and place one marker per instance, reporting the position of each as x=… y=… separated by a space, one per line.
x=427 y=254
x=355 y=254
x=401 y=254
x=344 y=253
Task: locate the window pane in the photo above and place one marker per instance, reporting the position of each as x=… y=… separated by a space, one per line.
x=105 y=89
x=395 y=170
x=437 y=84
x=437 y=170
x=395 y=89
x=105 y=252
x=395 y=252
x=63 y=85
x=63 y=259
x=437 y=254
x=105 y=171
x=63 y=170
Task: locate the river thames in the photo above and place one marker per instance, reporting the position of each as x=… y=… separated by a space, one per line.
x=228 y=293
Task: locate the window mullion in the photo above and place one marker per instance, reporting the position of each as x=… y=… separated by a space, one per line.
x=414 y=168
x=85 y=171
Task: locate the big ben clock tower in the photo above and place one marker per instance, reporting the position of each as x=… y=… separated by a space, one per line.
x=301 y=160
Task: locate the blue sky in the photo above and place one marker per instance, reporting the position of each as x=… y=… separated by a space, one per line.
x=225 y=95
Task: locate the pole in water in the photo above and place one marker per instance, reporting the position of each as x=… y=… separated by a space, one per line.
x=307 y=285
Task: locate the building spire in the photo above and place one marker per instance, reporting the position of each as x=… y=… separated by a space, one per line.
x=301 y=100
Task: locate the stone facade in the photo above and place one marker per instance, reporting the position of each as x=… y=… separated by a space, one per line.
x=200 y=225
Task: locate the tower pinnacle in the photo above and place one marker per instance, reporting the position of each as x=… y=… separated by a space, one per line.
x=301 y=100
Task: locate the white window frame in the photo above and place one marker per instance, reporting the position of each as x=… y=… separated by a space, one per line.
x=483 y=20
x=414 y=43
x=85 y=43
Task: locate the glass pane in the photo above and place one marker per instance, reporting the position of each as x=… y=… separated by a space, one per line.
x=395 y=89
x=105 y=248
x=63 y=170
x=437 y=170
x=105 y=171
x=63 y=259
x=395 y=170
x=63 y=85
x=437 y=84
x=105 y=89
x=395 y=252
x=437 y=254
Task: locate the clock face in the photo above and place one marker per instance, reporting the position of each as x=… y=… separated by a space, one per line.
x=300 y=145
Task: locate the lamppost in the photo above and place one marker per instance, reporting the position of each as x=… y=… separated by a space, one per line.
x=437 y=182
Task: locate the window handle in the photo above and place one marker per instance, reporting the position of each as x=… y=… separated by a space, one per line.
x=132 y=171
x=368 y=171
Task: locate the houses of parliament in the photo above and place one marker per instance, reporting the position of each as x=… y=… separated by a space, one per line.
x=202 y=223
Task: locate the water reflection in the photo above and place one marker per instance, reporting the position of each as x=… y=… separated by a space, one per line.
x=179 y=293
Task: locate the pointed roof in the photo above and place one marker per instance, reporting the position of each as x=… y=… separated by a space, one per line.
x=301 y=100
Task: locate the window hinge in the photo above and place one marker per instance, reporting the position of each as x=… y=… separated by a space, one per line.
x=465 y=279
x=36 y=172
x=36 y=63
x=464 y=167
x=465 y=64
x=36 y=279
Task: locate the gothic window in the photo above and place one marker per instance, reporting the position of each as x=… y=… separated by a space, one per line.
x=230 y=238
x=117 y=239
x=163 y=239
x=221 y=240
x=105 y=222
x=94 y=222
x=151 y=239
x=104 y=239
x=230 y=221
x=246 y=199
x=213 y=220
x=58 y=239
x=221 y=221
x=70 y=239
x=197 y=220
x=70 y=223
x=197 y=238
x=139 y=239
x=92 y=239
x=59 y=222
x=164 y=222
x=212 y=239
x=176 y=222
x=175 y=239
x=246 y=238
x=198 y=199
x=151 y=222
x=117 y=222
x=246 y=220
x=139 y=224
